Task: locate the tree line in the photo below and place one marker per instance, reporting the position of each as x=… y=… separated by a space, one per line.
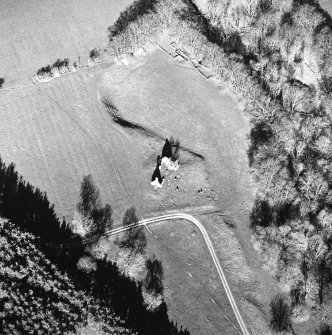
x=59 y=64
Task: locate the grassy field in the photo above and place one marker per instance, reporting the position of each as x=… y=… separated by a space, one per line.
x=35 y=33
x=55 y=132
x=167 y=98
x=170 y=99
x=58 y=132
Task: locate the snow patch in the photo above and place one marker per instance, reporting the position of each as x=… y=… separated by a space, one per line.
x=169 y=164
x=155 y=183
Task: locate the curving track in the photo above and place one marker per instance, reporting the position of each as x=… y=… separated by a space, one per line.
x=209 y=244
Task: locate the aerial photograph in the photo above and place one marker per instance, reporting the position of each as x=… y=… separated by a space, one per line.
x=166 y=167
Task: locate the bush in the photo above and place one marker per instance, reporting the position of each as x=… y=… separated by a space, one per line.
x=44 y=70
x=280 y=314
x=94 y=53
x=2 y=81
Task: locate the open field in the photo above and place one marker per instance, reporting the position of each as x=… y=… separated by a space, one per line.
x=167 y=98
x=58 y=131
x=61 y=130
x=327 y=5
x=163 y=98
x=35 y=33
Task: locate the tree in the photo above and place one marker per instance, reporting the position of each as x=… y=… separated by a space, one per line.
x=154 y=278
x=102 y=217
x=94 y=53
x=89 y=196
x=280 y=314
x=134 y=238
x=130 y=217
x=58 y=63
x=2 y=81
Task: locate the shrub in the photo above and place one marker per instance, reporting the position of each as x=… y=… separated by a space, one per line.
x=59 y=63
x=2 y=81
x=94 y=53
x=280 y=314
x=44 y=70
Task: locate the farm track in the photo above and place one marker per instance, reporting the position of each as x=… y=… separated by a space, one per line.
x=198 y=224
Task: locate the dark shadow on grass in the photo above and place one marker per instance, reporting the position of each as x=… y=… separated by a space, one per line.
x=114 y=113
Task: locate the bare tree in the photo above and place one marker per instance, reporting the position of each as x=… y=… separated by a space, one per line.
x=89 y=196
x=154 y=278
x=134 y=238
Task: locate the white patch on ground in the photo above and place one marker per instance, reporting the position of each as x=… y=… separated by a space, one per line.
x=169 y=164
x=156 y=184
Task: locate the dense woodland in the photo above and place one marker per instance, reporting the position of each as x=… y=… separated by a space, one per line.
x=41 y=286
x=277 y=54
